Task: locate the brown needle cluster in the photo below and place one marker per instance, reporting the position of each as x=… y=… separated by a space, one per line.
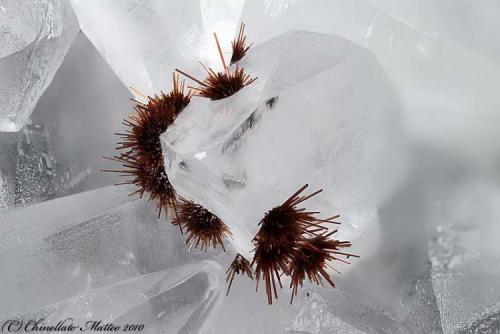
x=311 y=259
x=141 y=154
x=240 y=48
x=293 y=242
x=239 y=266
x=140 y=147
x=203 y=228
x=219 y=85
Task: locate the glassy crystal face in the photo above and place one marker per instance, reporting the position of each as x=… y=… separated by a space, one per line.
x=330 y=121
x=30 y=172
x=144 y=41
x=465 y=254
x=35 y=36
x=102 y=254
x=325 y=311
x=81 y=111
x=440 y=74
x=322 y=111
x=459 y=22
x=172 y=301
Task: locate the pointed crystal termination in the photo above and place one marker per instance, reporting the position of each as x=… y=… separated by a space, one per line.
x=438 y=75
x=30 y=170
x=330 y=121
x=155 y=36
x=91 y=240
x=174 y=300
x=35 y=38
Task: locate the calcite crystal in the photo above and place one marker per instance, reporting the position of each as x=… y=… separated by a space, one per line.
x=34 y=38
x=322 y=112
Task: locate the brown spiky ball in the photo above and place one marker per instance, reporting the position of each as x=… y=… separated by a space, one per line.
x=280 y=231
x=141 y=154
x=311 y=259
x=219 y=85
x=202 y=227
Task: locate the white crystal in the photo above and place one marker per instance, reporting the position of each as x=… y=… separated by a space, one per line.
x=460 y=22
x=419 y=305
x=30 y=170
x=324 y=311
x=17 y=228
x=330 y=121
x=448 y=90
x=58 y=248
x=465 y=254
x=34 y=37
x=144 y=41
x=168 y=301
x=81 y=111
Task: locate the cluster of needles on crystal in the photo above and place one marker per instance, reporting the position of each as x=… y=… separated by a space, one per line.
x=239 y=45
x=140 y=147
x=291 y=241
x=202 y=227
x=294 y=242
x=239 y=266
x=141 y=154
x=219 y=85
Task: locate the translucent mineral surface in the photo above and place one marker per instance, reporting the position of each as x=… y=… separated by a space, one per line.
x=34 y=37
x=102 y=254
x=465 y=255
x=434 y=51
x=29 y=170
x=143 y=41
x=172 y=300
x=334 y=111
x=331 y=122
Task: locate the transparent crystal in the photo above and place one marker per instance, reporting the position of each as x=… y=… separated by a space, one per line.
x=81 y=242
x=419 y=305
x=55 y=153
x=174 y=300
x=448 y=89
x=144 y=41
x=465 y=256
x=330 y=122
x=324 y=311
x=460 y=22
x=35 y=36
x=81 y=111
x=30 y=171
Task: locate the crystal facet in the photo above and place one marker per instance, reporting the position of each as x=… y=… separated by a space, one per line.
x=143 y=41
x=34 y=38
x=82 y=243
x=448 y=90
x=330 y=122
x=465 y=254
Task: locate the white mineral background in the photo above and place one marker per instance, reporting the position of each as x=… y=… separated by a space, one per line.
x=390 y=106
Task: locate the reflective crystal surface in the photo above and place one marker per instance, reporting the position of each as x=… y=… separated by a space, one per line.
x=55 y=154
x=448 y=89
x=394 y=112
x=465 y=254
x=325 y=311
x=174 y=300
x=29 y=170
x=102 y=255
x=81 y=111
x=144 y=41
x=331 y=123
x=34 y=38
